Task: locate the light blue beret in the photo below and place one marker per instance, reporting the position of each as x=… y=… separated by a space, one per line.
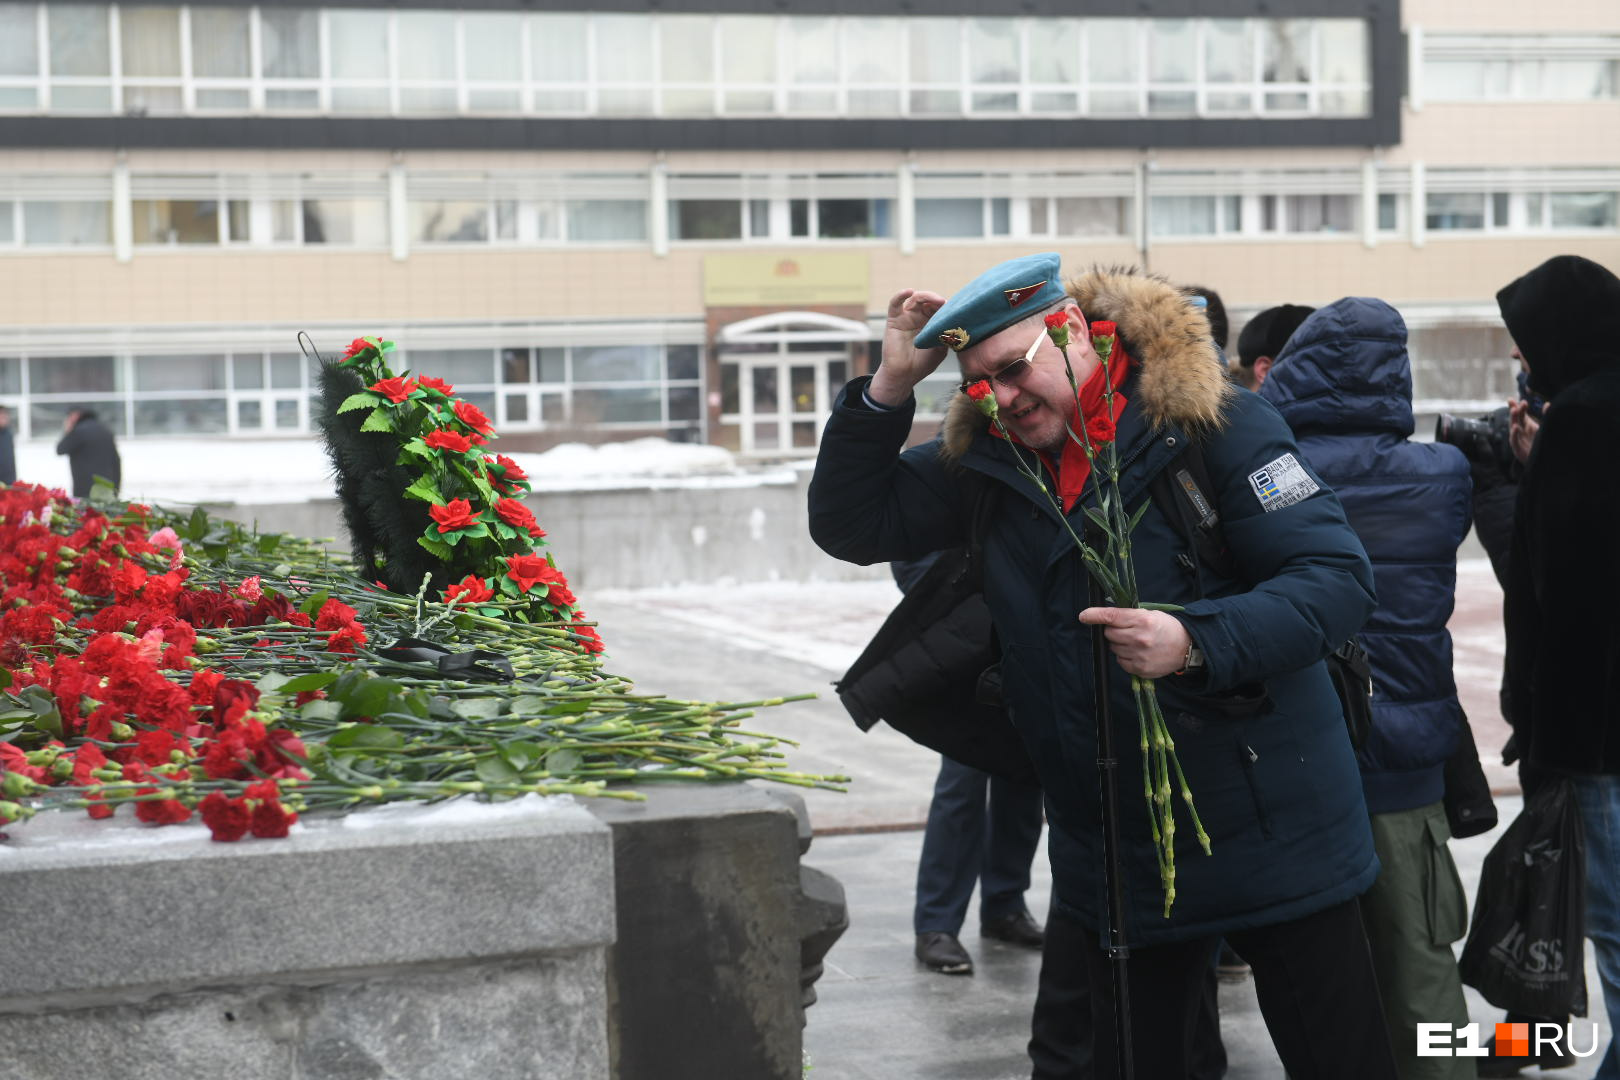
x=1002 y=295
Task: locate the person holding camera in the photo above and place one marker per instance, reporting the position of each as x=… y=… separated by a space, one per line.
x=1563 y=580
x=1344 y=384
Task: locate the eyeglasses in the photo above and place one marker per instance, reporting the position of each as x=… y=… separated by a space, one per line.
x=1011 y=375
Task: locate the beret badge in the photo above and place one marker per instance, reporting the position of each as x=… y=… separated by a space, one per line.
x=955 y=339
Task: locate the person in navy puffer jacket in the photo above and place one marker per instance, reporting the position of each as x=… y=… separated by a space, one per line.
x=1344 y=384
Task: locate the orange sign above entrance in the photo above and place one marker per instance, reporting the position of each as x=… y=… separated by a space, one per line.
x=764 y=279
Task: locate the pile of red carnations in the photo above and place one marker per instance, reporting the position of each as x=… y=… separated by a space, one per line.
x=188 y=667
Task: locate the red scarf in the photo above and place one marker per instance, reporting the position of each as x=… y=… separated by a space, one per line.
x=1074 y=470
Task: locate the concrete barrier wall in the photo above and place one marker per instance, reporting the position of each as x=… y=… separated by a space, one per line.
x=645 y=536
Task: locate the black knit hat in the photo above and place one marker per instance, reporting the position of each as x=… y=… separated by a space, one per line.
x=1269 y=331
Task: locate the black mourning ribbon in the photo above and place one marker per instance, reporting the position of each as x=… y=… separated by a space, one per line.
x=480 y=665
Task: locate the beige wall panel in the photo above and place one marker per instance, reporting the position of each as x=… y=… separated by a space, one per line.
x=1511 y=133
x=945 y=269
x=1445 y=269
x=1557 y=17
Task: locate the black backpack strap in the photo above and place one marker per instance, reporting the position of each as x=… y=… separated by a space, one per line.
x=1185 y=495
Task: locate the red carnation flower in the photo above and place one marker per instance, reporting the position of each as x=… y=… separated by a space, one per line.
x=270 y=819
x=470 y=590
x=398 y=389
x=1055 y=319
x=518 y=516
x=333 y=614
x=227 y=819
x=473 y=417
x=162 y=811
x=979 y=390
x=458 y=514
x=1103 y=328
x=444 y=439
x=428 y=382
x=1100 y=429
x=232 y=699
x=346 y=639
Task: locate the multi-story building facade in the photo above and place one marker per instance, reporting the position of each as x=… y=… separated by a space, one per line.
x=684 y=217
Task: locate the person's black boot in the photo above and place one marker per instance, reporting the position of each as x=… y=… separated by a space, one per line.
x=1492 y=1067
x=943 y=953
x=1019 y=928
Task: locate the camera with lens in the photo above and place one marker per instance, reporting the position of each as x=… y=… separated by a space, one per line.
x=1484 y=440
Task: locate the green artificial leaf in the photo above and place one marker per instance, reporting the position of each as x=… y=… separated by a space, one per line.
x=490 y=612
x=314 y=602
x=476 y=531
x=366 y=737
x=363 y=399
x=479 y=708
x=314 y=680
x=102 y=491
x=268 y=542
x=562 y=762
x=451 y=538
x=528 y=705
x=378 y=421
x=505 y=531
x=321 y=709
x=425 y=489
x=568 y=707
x=438 y=548
x=270 y=682
x=370 y=698
x=520 y=755
x=282 y=570
x=197 y=526
x=495 y=770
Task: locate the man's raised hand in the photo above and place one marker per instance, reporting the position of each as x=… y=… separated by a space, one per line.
x=904 y=365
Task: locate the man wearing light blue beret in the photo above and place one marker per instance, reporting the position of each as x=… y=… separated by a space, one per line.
x=1238 y=664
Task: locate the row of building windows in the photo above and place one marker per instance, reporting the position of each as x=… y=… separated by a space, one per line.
x=1458 y=67
x=248 y=393
x=273 y=59
x=725 y=209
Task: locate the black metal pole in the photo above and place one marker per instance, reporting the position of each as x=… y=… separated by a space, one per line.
x=1113 y=873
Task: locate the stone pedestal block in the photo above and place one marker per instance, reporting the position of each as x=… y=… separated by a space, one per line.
x=401 y=943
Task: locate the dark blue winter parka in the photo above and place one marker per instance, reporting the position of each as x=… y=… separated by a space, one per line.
x=1344 y=384
x=1260 y=733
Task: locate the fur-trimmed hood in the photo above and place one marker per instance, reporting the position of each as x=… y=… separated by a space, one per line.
x=1179 y=379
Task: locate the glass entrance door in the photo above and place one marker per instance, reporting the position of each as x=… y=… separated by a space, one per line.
x=777 y=401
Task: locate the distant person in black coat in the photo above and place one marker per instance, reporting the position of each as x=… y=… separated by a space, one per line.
x=8 y=449
x=91 y=451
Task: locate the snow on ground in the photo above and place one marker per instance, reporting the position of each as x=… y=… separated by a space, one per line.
x=259 y=471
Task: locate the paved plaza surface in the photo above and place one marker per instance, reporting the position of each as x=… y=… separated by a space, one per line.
x=880 y=1014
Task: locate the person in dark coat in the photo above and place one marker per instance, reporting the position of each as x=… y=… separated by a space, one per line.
x=1563 y=645
x=1344 y=384
x=91 y=452
x=982 y=831
x=8 y=449
x=1263 y=337
x=1239 y=668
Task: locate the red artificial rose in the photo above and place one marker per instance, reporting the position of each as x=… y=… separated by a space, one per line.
x=356 y=348
x=515 y=514
x=444 y=439
x=162 y=811
x=473 y=417
x=228 y=819
x=470 y=590
x=1055 y=319
x=979 y=390
x=456 y=515
x=1100 y=429
x=507 y=474
x=527 y=570
x=559 y=595
x=428 y=382
x=270 y=820
x=398 y=389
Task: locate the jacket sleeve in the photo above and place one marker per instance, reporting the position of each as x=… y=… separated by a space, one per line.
x=1312 y=585
x=871 y=503
x=70 y=442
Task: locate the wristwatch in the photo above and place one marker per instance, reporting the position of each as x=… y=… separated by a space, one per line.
x=1193 y=661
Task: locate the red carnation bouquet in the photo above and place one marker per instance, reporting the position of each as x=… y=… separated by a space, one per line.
x=480 y=538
